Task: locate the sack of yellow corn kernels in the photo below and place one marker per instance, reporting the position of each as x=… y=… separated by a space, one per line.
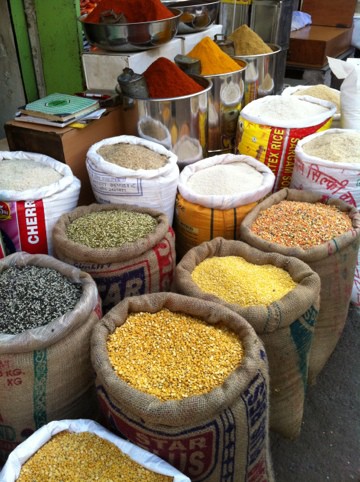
x=278 y=296
x=47 y=312
x=214 y=195
x=325 y=234
x=128 y=250
x=84 y=450
x=186 y=379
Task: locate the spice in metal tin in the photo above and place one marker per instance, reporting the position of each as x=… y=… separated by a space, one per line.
x=33 y=296
x=302 y=224
x=110 y=229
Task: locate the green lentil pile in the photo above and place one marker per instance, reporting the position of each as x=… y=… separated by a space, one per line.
x=33 y=296
x=235 y=280
x=172 y=355
x=302 y=224
x=110 y=229
x=84 y=456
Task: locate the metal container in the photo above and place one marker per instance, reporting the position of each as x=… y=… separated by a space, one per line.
x=178 y=123
x=197 y=15
x=233 y=14
x=131 y=37
x=225 y=103
x=225 y=44
x=259 y=74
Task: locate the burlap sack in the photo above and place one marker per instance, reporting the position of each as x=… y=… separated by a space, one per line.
x=145 y=266
x=334 y=261
x=222 y=435
x=46 y=372
x=286 y=326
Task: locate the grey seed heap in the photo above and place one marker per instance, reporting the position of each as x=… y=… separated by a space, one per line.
x=33 y=296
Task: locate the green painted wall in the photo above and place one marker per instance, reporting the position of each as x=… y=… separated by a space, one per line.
x=61 y=44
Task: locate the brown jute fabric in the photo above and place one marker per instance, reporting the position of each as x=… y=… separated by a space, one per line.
x=221 y=434
x=144 y=266
x=46 y=372
x=334 y=261
x=286 y=326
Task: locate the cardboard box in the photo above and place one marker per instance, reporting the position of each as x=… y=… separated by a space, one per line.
x=102 y=68
x=67 y=144
x=330 y=13
x=310 y=46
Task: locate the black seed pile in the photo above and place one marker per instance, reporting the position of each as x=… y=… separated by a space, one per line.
x=33 y=296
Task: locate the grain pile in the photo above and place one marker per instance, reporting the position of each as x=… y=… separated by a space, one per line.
x=248 y=42
x=21 y=175
x=132 y=156
x=340 y=146
x=323 y=92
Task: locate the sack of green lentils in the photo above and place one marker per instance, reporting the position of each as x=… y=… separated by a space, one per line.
x=128 y=250
x=48 y=310
x=35 y=190
x=132 y=170
x=279 y=296
x=80 y=450
x=190 y=384
x=214 y=195
x=325 y=234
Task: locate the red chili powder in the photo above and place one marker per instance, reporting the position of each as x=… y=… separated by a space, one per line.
x=133 y=10
x=165 y=79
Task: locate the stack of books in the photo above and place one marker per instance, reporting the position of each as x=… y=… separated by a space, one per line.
x=57 y=110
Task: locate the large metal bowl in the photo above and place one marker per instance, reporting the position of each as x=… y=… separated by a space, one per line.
x=131 y=37
x=197 y=15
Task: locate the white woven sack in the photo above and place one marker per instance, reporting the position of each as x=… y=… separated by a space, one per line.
x=333 y=180
x=29 y=216
x=226 y=201
x=32 y=444
x=150 y=188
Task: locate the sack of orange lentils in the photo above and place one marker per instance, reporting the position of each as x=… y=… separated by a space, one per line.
x=82 y=449
x=278 y=296
x=325 y=234
x=186 y=379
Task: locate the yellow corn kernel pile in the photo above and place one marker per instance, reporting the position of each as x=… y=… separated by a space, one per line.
x=84 y=456
x=172 y=355
x=235 y=280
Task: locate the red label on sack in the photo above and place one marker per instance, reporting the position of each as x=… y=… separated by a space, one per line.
x=32 y=226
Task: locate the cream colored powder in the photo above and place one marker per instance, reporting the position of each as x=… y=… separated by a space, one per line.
x=21 y=175
x=323 y=92
x=335 y=146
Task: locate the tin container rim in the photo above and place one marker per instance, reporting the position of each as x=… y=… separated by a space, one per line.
x=275 y=47
x=243 y=68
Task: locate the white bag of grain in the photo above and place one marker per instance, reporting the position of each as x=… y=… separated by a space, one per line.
x=329 y=163
x=34 y=193
x=31 y=445
x=144 y=187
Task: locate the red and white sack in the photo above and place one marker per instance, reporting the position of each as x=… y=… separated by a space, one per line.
x=30 y=446
x=340 y=180
x=149 y=188
x=27 y=217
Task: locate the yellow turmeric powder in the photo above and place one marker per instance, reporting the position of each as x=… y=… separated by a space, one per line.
x=213 y=60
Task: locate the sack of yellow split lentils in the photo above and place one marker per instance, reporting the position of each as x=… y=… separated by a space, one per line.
x=279 y=296
x=128 y=250
x=325 y=234
x=186 y=379
x=83 y=450
x=47 y=312
x=214 y=195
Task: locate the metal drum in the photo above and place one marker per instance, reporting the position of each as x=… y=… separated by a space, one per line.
x=179 y=123
x=259 y=74
x=225 y=103
x=233 y=14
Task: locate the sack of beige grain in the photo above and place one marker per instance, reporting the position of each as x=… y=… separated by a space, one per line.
x=48 y=310
x=190 y=384
x=35 y=190
x=135 y=171
x=82 y=449
x=128 y=250
x=329 y=163
x=270 y=127
x=214 y=195
x=279 y=296
x=325 y=234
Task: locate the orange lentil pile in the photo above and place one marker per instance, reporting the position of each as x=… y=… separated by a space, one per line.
x=301 y=224
x=172 y=355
